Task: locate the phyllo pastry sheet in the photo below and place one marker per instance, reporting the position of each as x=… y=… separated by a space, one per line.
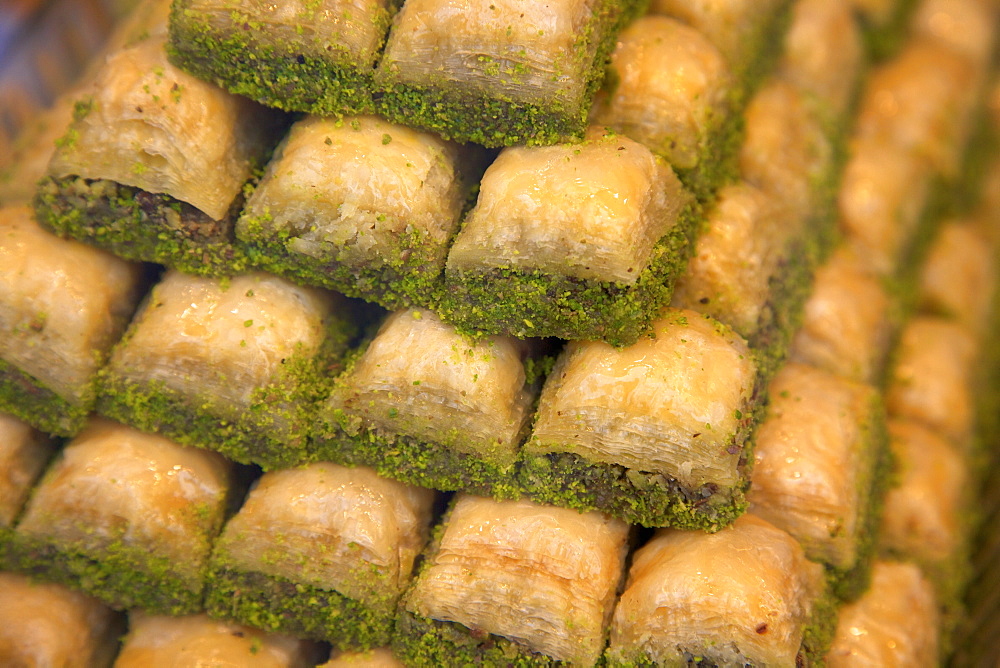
x=578 y=241
x=156 y=641
x=426 y=405
x=127 y=517
x=301 y=55
x=52 y=625
x=822 y=467
x=513 y=581
x=234 y=365
x=63 y=305
x=362 y=206
x=655 y=433
x=671 y=90
x=746 y=595
x=153 y=166
x=894 y=624
x=321 y=552
x=498 y=72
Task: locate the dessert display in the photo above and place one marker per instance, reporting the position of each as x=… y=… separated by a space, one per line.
x=577 y=332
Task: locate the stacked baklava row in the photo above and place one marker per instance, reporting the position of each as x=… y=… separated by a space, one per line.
x=634 y=402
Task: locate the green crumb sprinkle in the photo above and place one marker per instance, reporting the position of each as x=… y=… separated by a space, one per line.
x=386 y=138
x=81 y=108
x=248 y=323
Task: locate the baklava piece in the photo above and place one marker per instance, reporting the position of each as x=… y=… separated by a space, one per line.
x=822 y=467
x=63 y=305
x=824 y=55
x=320 y=552
x=577 y=241
x=361 y=206
x=671 y=90
x=932 y=377
x=302 y=55
x=958 y=275
x=153 y=166
x=881 y=205
x=428 y=406
x=51 y=625
x=155 y=641
x=513 y=583
x=127 y=517
x=894 y=624
x=749 y=271
x=499 y=72
x=655 y=433
x=921 y=101
x=789 y=152
x=968 y=27
x=745 y=596
x=929 y=514
x=24 y=166
x=749 y=34
x=234 y=365
x=848 y=322
x=24 y=452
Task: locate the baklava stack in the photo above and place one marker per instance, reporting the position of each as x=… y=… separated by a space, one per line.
x=676 y=340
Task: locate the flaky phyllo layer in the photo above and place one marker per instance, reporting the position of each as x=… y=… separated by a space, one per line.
x=543 y=577
x=149 y=125
x=673 y=404
x=333 y=528
x=741 y=596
